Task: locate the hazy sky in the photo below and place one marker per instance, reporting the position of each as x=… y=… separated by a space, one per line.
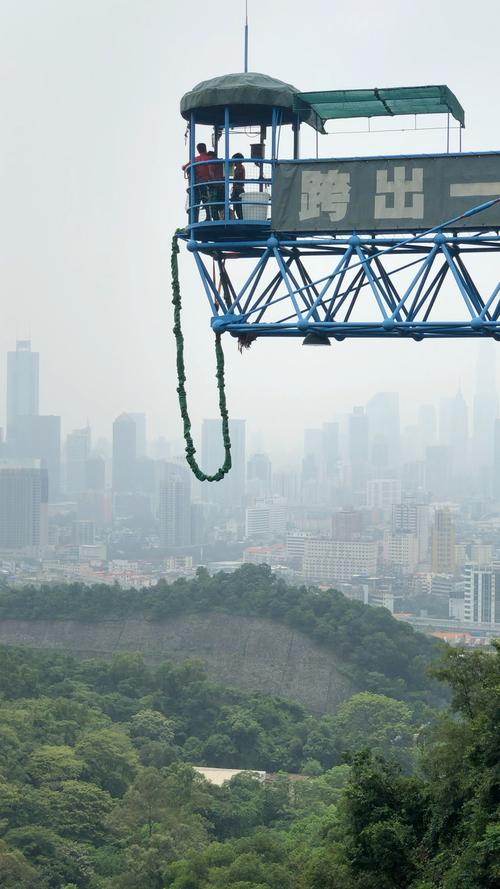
x=91 y=144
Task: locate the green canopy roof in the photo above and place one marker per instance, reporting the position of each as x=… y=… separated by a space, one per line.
x=250 y=96
x=335 y=104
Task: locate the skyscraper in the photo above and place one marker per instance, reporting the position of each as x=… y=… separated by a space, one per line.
x=443 y=542
x=330 y=450
x=496 y=461
x=140 y=427
x=454 y=431
x=23 y=504
x=358 y=447
x=124 y=454
x=77 y=454
x=485 y=406
x=175 y=506
x=383 y=418
x=40 y=437
x=259 y=476
x=231 y=490
x=22 y=384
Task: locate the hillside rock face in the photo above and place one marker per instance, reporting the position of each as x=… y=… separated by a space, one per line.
x=245 y=652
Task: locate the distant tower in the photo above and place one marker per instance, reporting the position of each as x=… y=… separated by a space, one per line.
x=259 y=476
x=77 y=454
x=40 y=437
x=485 y=406
x=383 y=418
x=124 y=454
x=358 y=448
x=175 y=506
x=22 y=384
x=454 y=430
x=496 y=464
x=443 y=543
x=23 y=505
x=141 y=438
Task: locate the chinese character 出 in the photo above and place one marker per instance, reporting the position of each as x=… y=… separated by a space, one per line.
x=400 y=198
x=324 y=192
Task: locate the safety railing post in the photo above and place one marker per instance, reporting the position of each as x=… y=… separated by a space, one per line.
x=192 y=169
x=226 y=165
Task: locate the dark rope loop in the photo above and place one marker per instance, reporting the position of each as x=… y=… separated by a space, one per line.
x=181 y=378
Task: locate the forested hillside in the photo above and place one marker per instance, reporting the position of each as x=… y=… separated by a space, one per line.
x=97 y=790
x=377 y=652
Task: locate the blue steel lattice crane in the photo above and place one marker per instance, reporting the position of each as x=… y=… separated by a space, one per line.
x=325 y=249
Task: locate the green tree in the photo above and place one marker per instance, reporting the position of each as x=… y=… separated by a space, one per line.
x=51 y=765
x=109 y=759
x=375 y=721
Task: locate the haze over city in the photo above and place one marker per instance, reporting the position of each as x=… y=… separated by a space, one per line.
x=92 y=144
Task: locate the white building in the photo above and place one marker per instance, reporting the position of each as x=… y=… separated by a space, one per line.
x=413 y=517
x=383 y=493
x=482 y=593
x=268 y=517
x=339 y=559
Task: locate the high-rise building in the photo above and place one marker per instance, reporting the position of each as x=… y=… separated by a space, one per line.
x=175 y=506
x=438 y=471
x=382 y=493
x=77 y=454
x=401 y=550
x=141 y=439
x=485 y=406
x=496 y=460
x=347 y=524
x=269 y=517
x=482 y=593
x=259 y=476
x=331 y=452
x=382 y=411
x=358 y=447
x=39 y=437
x=83 y=532
x=413 y=518
x=231 y=490
x=124 y=454
x=22 y=384
x=23 y=505
x=443 y=542
x=454 y=430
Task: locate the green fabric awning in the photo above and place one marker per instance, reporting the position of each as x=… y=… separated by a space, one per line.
x=337 y=104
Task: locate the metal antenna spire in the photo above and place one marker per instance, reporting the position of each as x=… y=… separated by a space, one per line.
x=246 y=36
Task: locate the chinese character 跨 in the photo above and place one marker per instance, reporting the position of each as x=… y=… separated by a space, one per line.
x=324 y=192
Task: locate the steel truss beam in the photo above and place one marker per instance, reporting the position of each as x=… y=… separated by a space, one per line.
x=365 y=286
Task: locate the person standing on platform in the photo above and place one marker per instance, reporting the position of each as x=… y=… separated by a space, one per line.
x=201 y=193
x=238 y=184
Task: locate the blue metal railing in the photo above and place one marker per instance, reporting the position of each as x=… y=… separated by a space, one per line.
x=225 y=198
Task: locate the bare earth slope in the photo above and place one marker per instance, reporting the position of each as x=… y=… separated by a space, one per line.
x=242 y=651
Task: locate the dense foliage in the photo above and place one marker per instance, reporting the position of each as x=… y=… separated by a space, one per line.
x=379 y=653
x=96 y=789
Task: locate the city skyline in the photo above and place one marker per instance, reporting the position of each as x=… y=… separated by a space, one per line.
x=481 y=407
x=92 y=191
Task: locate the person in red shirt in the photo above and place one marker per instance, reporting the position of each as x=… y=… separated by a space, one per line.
x=202 y=180
x=216 y=187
